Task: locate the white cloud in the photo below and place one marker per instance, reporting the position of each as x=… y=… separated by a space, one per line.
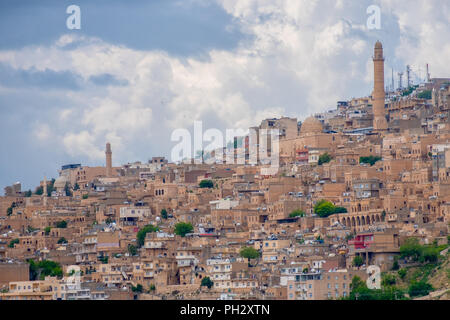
x=82 y=143
x=301 y=57
x=42 y=132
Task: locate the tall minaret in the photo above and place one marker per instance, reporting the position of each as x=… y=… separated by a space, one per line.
x=108 y=154
x=44 y=193
x=379 y=119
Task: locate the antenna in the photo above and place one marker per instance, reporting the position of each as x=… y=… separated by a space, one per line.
x=408 y=75
x=392 y=83
x=400 y=76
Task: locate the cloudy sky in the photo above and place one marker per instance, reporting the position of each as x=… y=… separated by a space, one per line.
x=137 y=70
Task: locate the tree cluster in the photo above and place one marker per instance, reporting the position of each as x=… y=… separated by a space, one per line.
x=140 y=237
x=324 y=208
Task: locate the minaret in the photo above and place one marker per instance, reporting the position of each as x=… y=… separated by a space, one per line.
x=108 y=154
x=44 y=193
x=379 y=119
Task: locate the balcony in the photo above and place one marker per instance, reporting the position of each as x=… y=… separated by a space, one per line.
x=360 y=244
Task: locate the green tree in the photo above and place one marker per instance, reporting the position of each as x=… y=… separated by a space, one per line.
x=140 y=237
x=61 y=224
x=207 y=282
x=76 y=186
x=297 y=213
x=44 y=268
x=324 y=208
x=104 y=259
x=152 y=287
x=9 y=211
x=426 y=94
x=138 y=288
x=206 y=184
x=430 y=254
x=419 y=288
x=39 y=191
x=183 y=228
x=51 y=187
x=85 y=196
x=395 y=265
x=47 y=230
x=28 y=193
x=411 y=249
x=408 y=91
x=361 y=292
x=249 y=253
x=370 y=159
x=67 y=190
x=358 y=261
x=388 y=280
x=164 y=213
x=324 y=158
x=340 y=210
x=13 y=242
x=402 y=273
x=62 y=240
x=359 y=289
x=132 y=250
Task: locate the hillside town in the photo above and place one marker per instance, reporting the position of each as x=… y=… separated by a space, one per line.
x=366 y=183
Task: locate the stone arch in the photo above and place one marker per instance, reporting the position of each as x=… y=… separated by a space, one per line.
x=368 y=220
x=363 y=220
x=353 y=222
x=377 y=218
x=358 y=221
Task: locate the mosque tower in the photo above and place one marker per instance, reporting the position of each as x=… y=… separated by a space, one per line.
x=378 y=96
x=44 y=193
x=108 y=154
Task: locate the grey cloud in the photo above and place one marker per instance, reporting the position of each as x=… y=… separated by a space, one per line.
x=48 y=79
x=107 y=79
x=141 y=24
